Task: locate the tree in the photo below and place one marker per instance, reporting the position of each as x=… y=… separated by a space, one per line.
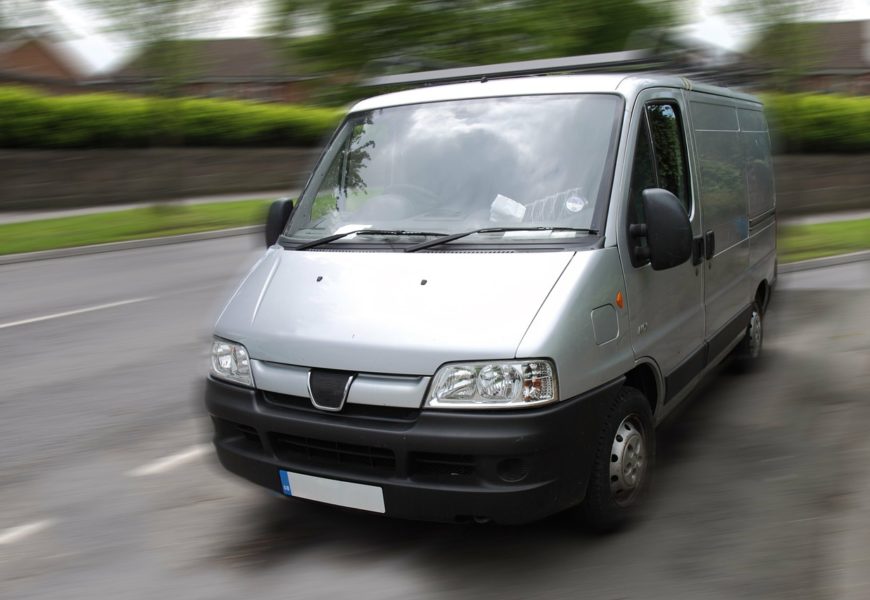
x=156 y=27
x=786 y=44
x=460 y=31
x=19 y=12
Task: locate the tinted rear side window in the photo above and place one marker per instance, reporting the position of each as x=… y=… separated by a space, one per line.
x=756 y=154
x=720 y=158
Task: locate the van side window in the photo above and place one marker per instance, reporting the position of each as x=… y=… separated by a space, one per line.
x=669 y=149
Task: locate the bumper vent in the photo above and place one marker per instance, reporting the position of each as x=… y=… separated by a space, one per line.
x=243 y=437
x=432 y=464
x=302 y=450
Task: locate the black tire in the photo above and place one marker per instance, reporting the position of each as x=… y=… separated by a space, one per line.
x=606 y=506
x=747 y=354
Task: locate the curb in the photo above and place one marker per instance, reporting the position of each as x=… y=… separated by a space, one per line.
x=828 y=261
x=11 y=259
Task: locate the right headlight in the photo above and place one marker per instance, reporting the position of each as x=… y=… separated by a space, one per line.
x=230 y=361
x=494 y=384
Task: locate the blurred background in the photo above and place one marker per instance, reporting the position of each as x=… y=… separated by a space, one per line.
x=126 y=121
x=108 y=102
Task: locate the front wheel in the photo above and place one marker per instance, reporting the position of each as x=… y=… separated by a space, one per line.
x=623 y=462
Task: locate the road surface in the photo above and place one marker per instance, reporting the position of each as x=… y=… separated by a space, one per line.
x=108 y=488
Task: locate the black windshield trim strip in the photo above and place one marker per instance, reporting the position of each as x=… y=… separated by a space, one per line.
x=568 y=246
x=605 y=191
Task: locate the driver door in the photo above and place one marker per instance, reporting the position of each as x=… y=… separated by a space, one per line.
x=666 y=308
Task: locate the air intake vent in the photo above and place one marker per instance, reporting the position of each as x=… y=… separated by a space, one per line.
x=301 y=450
x=452 y=465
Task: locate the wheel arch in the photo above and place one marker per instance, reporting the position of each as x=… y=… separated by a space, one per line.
x=762 y=295
x=646 y=377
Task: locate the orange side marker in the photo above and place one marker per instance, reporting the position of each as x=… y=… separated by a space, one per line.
x=619 y=301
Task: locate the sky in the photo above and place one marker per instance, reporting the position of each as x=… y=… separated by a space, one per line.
x=100 y=50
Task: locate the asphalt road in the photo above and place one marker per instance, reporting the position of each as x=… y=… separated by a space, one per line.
x=108 y=488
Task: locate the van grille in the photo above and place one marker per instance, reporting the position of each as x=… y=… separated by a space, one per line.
x=361 y=411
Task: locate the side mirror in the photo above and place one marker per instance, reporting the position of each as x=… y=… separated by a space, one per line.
x=667 y=230
x=276 y=221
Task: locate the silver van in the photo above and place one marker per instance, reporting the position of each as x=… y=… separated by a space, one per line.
x=489 y=294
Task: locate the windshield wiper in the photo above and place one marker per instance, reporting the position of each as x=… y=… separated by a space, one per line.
x=338 y=236
x=456 y=236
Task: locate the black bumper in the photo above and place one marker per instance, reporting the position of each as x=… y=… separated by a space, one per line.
x=509 y=466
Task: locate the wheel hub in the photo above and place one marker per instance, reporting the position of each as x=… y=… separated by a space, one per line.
x=627 y=460
x=755 y=334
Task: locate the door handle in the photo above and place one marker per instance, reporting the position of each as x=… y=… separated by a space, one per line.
x=697 y=250
x=709 y=244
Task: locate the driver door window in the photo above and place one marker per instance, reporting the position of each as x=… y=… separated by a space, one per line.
x=659 y=161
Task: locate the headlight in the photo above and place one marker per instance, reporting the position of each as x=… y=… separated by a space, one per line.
x=230 y=361
x=508 y=384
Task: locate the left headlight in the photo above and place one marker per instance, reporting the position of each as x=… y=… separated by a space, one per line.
x=503 y=384
x=230 y=361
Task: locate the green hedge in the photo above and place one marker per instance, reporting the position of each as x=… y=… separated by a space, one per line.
x=29 y=119
x=815 y=123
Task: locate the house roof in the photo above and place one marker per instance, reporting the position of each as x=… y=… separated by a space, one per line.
x=238 y=59
x=845 y=45
x=836 y=46
x=58 y=61
x=13 y=34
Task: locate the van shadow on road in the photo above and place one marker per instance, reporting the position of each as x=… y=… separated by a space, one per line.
x=749 y=476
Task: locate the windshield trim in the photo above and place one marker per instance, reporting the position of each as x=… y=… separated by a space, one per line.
x=599 y=218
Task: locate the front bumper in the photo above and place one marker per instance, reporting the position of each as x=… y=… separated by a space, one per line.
x=437 y=465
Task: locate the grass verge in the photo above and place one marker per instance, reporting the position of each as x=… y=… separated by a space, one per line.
x=803 y=242
x=133 y=224
x=795 y=242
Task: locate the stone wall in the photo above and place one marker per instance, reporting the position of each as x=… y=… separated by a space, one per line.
x=37 y=179
x=819 y=183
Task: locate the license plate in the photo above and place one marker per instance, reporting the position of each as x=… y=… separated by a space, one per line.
x=332 y=491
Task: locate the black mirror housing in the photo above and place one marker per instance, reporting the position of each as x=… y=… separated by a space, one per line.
x=668 y=230
x=279 y=213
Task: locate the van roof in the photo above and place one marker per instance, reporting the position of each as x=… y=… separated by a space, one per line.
x=626 y=85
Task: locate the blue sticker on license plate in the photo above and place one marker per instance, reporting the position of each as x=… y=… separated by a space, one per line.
x=285 y=483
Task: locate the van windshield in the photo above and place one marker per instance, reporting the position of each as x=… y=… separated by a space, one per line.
x=441 y=168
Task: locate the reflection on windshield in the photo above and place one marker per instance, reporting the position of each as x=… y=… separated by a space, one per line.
x=462 y=165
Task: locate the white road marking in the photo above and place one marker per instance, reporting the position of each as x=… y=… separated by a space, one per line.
x=170 y=462
x=15 y=534
x=78 y=311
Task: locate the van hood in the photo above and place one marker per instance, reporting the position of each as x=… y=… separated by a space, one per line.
x=388 y=312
